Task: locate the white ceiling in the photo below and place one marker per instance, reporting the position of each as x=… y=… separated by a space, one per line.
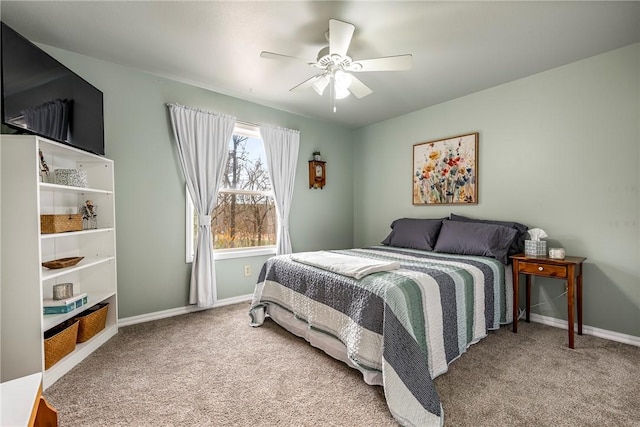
x=458 y=47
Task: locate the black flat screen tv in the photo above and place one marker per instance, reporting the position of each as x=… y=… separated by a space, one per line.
x=40 y=96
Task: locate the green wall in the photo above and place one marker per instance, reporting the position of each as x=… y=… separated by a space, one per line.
x=150 y=189
x=558 y=150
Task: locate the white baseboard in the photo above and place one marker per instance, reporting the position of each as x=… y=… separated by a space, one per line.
x=588 y=330
x=538 y=318
x=180 y=310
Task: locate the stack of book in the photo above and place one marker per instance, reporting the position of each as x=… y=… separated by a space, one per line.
x=52 y=306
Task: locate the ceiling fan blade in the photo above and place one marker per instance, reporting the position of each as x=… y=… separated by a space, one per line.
x=340 y=34
x=308 y=83
x=271 y=55
x=388 y=63
x=359 y=89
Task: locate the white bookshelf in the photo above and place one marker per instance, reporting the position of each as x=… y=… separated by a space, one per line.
x=25 y=282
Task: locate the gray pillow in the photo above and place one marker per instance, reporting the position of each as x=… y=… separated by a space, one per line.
x=414 y=233
x=517 y=246
x=474 y=238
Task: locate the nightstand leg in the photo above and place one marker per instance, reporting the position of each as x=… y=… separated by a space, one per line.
x=570 y=297
x=516 y=276
x=528 y=297
x=579 y=290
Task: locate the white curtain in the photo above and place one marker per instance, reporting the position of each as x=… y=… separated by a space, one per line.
x=281 y=146
x=203 y=148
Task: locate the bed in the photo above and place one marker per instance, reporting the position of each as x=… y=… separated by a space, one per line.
x=399 y=315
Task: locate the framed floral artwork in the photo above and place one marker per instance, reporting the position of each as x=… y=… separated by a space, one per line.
x=445 y=172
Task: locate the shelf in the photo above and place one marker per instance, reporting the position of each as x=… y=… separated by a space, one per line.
x=75 y=233
x=70 y=189
x=85 y=263
x=25 y=282
x=69 y=152
x=51 y=320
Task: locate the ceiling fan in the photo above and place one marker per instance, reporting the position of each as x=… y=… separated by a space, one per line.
x=336 y=65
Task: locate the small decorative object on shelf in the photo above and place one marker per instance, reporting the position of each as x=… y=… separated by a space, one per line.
x=556 y=253
x=44 y=169
x=62 y=291
x=89 y=213
x=316 y=156
x=63 y=262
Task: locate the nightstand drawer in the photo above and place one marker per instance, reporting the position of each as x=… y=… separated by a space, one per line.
x=540 y=269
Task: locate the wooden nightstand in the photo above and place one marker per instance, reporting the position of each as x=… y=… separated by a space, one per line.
x=569 y=269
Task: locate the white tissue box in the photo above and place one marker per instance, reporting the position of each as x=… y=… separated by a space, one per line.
x=535 y=247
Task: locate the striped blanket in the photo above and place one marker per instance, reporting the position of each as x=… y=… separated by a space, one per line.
x=408 y=324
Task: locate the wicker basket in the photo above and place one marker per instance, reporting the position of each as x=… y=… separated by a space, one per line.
x=60 y=223
x=59 y=342
x=92 y=321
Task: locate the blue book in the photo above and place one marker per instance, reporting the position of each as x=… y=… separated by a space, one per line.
x=51 y=306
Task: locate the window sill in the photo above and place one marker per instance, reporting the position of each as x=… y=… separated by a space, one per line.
x=241 y=253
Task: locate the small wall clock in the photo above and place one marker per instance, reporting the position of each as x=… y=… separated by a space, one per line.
x=317 y=174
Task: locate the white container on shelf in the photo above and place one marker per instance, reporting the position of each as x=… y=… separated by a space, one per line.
x=71 y=177
x=556 y=253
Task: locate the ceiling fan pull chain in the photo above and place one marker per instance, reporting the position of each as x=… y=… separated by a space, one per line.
x=332 y=92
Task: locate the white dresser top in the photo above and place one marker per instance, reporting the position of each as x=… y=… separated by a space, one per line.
x=17 y=400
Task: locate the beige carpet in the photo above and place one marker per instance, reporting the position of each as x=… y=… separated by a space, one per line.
x=212 y=369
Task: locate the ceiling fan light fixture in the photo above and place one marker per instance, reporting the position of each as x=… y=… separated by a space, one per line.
x=341 y=92
x=320 y=85
x=343 y=80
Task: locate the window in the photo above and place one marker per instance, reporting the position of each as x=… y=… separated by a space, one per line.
x=244 y=219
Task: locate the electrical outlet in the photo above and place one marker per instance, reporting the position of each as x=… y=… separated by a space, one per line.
x=247 y=270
